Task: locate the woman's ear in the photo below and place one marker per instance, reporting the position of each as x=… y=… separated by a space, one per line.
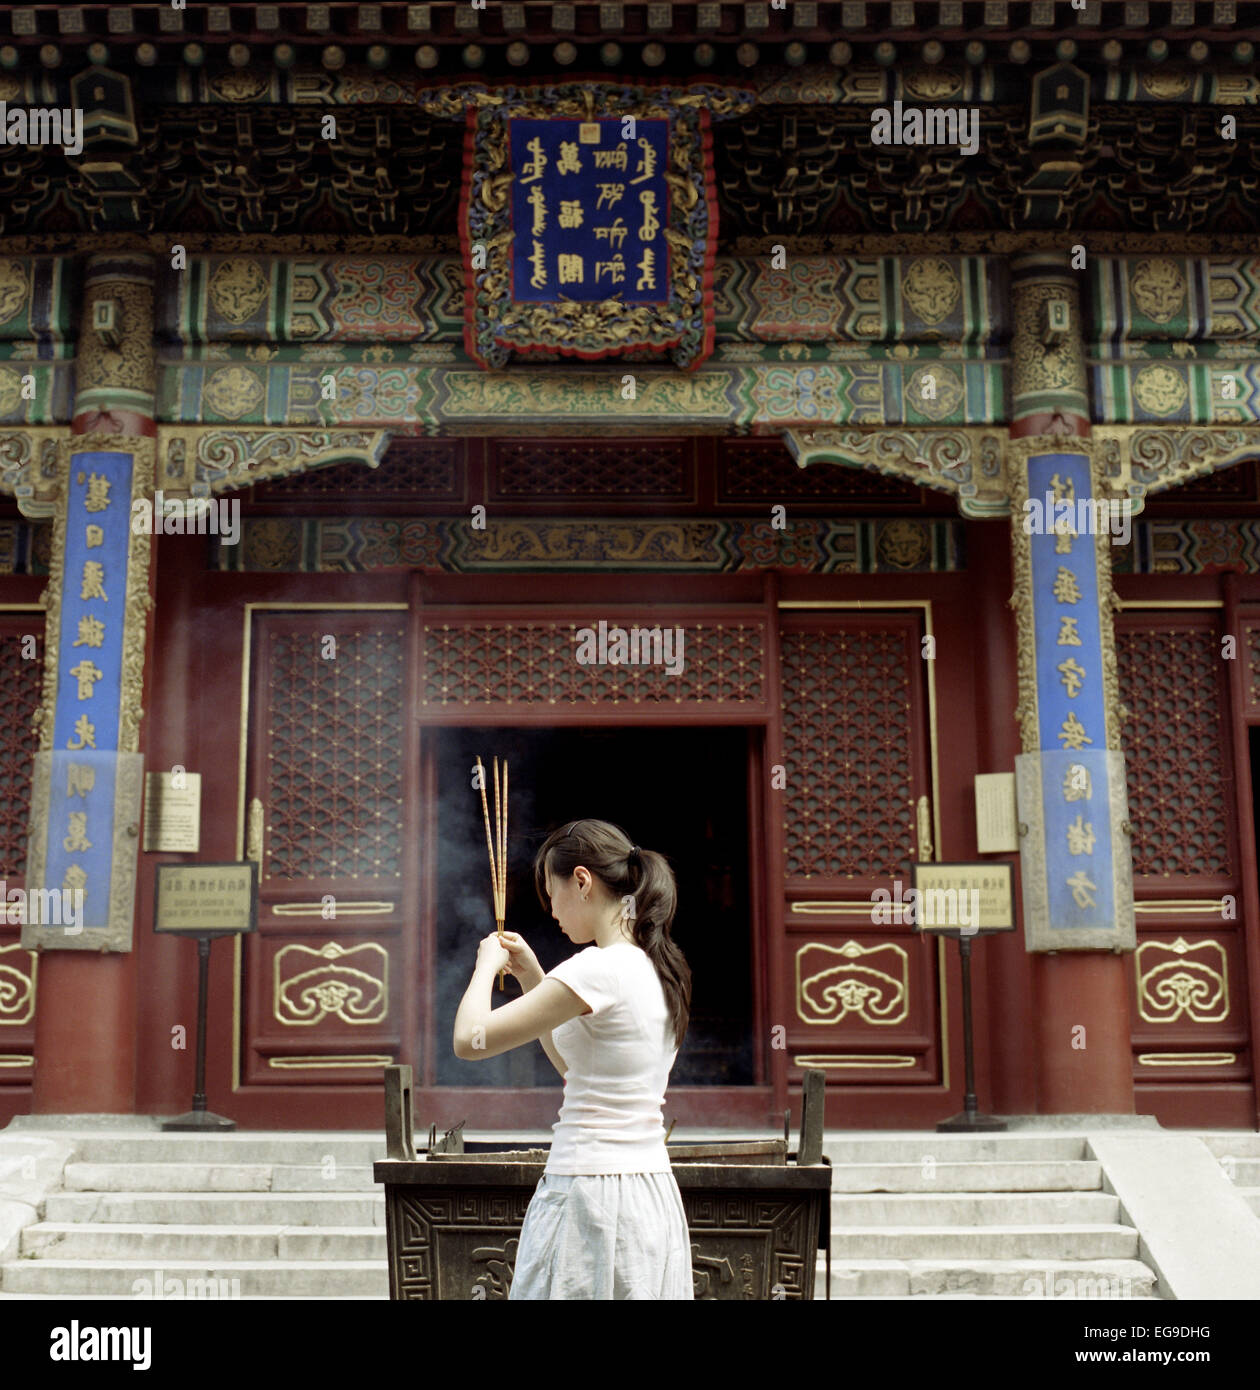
x=582 y=877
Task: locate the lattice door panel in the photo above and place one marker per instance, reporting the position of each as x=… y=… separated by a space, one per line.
x=1189 y=980
x=495 y=665
x=21 y=681
x=324 y=979
x=862 y=993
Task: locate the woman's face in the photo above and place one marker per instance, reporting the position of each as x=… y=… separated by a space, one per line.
x=576 y=918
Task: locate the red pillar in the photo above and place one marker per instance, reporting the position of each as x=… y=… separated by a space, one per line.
x=85 y=1009
x=1081 y=998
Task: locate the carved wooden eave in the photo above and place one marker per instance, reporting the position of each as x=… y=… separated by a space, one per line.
x=969 y=462
x=1138 y=460
x=973 y=463
x=197 y=460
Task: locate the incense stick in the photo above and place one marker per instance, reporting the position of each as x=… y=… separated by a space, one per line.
x=498 y=873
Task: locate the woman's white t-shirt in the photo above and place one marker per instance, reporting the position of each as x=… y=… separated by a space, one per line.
x=618 y=1059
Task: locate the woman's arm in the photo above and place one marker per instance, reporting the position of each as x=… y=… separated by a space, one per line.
x=548 y=1047
x=482 y=1031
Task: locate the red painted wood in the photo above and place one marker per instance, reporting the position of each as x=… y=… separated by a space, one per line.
x=1236 y=621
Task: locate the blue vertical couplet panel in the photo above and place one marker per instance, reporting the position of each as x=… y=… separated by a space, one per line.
x=589 y=208
x=1070 y=701
x=89 y=680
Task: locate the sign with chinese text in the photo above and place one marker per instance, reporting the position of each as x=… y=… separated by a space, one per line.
x=588 y=224
x=1073 y=799
x=963 y=899
x=205 y=899
x=86 y=792
x=172 y=812
x=588 y=209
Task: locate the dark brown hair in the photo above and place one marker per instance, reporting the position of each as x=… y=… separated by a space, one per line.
x=626 y=871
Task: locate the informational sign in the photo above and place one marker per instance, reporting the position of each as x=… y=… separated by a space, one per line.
x=172 y=812
x=996 y=829
x=205 y=899
x=963 y=898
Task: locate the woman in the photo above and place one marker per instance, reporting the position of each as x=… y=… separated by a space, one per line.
x=606 y=1220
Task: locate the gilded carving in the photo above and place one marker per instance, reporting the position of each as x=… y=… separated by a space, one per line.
x=903 y=544
x=1160 y=389
x=1165 y=86
x=931 y=288
x=967 y=461
x=237 y=288
x=1035 y=367
x=233 y=391
x=14 y=287
x=120 y=372
x=220 y=458
x=332 y=987
x=10 y=390
x=930 y=84
x=1179 y=978
x=845 y=982
x=1140 y=459
x=1158 y=287
x=17 y=987
x=934 y=390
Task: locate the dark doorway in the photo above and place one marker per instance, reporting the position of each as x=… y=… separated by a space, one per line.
x=683 y=792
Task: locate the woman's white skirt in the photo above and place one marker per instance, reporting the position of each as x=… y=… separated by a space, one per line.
x=604 y=1236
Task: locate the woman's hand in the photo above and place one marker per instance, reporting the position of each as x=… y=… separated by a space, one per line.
x=522 y=963
x=490 y=953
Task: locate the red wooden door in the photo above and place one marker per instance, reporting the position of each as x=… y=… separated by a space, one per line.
x=860 y=998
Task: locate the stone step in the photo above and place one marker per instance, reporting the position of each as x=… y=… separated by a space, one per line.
x=1093 y=1279
x=210 y=1244
x=1102 y=1242
x=216 y=1177
x=1018 y=1176
x=1242 y=1172
x=954 y=1148
x=255 y=1279
x=1241 y=1143
x=851 y=1210
x=302 y=1148
x=1252 y=1196
x=229 y=1208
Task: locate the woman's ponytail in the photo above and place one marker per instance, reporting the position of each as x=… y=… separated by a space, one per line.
x=644 y=882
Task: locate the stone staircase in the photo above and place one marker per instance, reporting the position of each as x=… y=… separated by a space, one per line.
x=1239 y=1155
x=298 y=1215
x=985 y=1216
x=258 y=1215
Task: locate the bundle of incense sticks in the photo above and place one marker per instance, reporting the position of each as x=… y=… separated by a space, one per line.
x=497 y=842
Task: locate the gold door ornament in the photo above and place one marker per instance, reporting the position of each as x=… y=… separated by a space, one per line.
x=1182 y=978
x=332 y=987
x=833 y=982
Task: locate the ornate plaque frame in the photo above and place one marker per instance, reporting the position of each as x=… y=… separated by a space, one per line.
x=496 y=326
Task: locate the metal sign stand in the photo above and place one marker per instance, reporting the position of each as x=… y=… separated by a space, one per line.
x=199 y=1120
x=968 y=1121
